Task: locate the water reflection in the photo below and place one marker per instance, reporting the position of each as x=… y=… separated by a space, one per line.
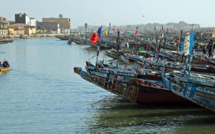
x=4 y=72
x=114 y=114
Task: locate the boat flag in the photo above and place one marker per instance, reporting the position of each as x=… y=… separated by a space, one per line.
x=136 y=32
x=107 y=32
x=129 y=33
x=187 y=46
x=154 y=29
x=99 y=32
x=159 y=47
x=149 y=59
x=96 y=36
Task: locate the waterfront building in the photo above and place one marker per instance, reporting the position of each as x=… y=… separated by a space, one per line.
x=3 y=19
x=3 y=26
x=21 y=29
x=23 y=18
x=213 y=32
x=51 y=24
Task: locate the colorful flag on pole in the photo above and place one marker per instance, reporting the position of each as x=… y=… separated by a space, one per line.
x=96 y=36
x=129 y=33
x=149 y=59
x=154 y=29
x=187 y=46
x=136 y=32
x=99 y=32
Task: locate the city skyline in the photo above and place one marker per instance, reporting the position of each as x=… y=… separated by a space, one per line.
x=120 y=12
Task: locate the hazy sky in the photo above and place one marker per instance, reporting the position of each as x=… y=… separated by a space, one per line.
x=118 y=12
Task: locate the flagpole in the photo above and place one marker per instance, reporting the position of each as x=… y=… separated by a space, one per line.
x=191 y=57
x=180 y=40
x=98 y=47
x=192 y=43
x=118 y=41
x=165 y=43
x=185 y=67
x=109 y=29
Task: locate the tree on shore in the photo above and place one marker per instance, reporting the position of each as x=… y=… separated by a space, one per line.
x=60 y=16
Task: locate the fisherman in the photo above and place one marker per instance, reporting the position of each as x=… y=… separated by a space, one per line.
x=209 y=47
x=203 y=49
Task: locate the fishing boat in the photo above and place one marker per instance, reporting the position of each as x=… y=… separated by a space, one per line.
x=4 y=41
x=134 y=89
x=4 y=65
x=195 y=88
x=62 y=37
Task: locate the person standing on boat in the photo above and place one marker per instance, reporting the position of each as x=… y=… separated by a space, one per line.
x=204 y=49
x=209 y=47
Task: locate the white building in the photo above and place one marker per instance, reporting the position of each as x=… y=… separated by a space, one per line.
x=23 y=18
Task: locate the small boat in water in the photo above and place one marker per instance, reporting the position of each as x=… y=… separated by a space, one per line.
x=4 y=65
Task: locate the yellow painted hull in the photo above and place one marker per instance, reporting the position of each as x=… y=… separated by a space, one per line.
x=4 y=68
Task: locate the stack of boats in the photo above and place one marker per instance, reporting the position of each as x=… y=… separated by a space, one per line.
x=153 y=75
x=4 y=41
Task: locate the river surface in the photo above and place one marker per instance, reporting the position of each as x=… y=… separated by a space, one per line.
x=42 y=94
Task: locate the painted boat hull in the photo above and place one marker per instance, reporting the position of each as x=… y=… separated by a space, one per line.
x=152 y=96
x=133 y=90
x=197 y=94
x=4 y=68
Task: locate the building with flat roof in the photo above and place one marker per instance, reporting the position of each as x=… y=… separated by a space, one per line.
x=20 y=28
x=3 y=19
x=3 y=26
x=23 y=18
x=51 y=24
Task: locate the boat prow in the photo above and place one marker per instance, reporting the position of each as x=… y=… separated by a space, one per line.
x=4 y=65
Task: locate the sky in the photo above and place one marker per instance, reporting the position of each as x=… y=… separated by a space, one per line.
x=116 y=12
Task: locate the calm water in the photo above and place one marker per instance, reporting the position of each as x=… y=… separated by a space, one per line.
x=41 y=94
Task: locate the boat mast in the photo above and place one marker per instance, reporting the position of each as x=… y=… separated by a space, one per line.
x=118 y=41
x=109 y=29
x=98 y=46
x=180 y=40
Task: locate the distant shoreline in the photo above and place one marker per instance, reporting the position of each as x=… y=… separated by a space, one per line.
x=28 y=36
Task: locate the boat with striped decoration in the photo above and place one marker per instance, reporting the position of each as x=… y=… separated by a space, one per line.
x=137 y=90
x=199 y=90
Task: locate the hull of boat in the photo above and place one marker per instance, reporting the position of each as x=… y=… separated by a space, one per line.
x=133 y=89
x=200 y=95
x=4 y=68
x=147 y=95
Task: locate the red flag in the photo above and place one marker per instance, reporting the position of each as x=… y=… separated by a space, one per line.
x=162 y=27
x=136 y=31
x=113 y=29
x=159 y=48
x=94 y=38
x=149 y=59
